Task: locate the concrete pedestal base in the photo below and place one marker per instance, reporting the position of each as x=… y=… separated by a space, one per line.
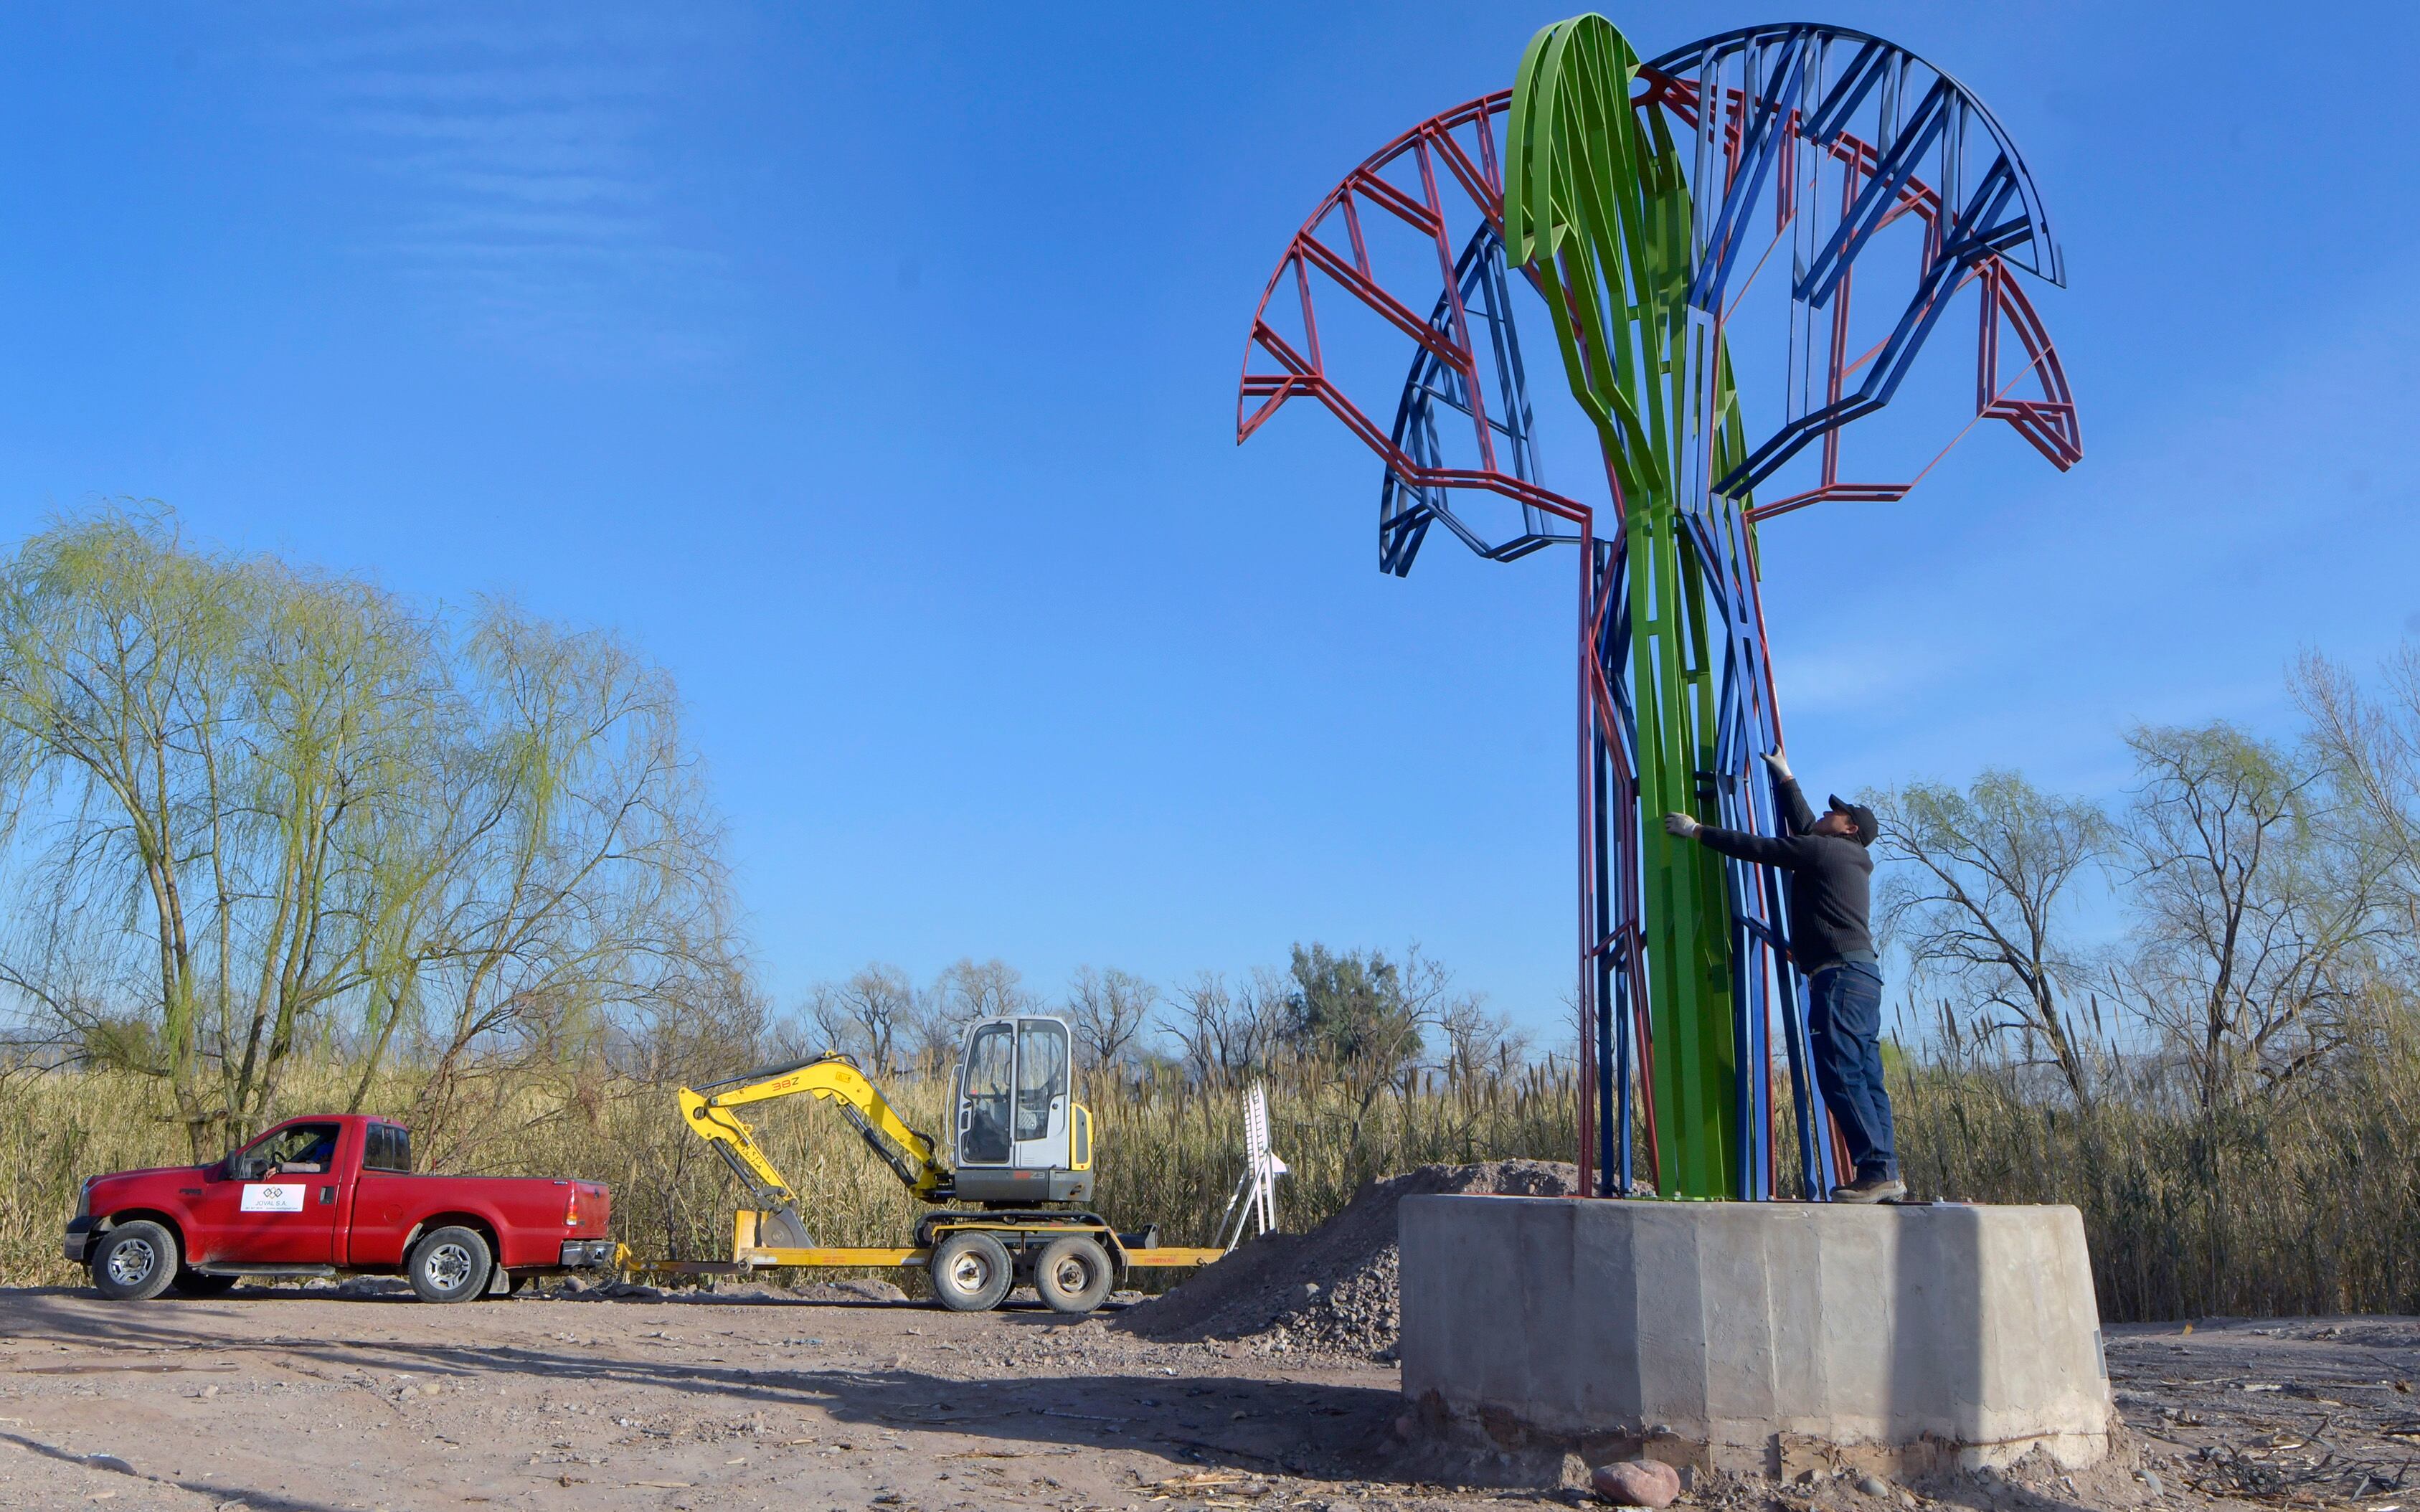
x=1775 y=1337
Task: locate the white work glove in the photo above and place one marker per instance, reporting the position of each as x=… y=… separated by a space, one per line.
x=1681 y=825
x=1780 y=765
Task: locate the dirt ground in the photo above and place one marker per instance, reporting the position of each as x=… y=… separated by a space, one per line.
x=283 y=1401
x=2283 y=1412
x=288 y=1401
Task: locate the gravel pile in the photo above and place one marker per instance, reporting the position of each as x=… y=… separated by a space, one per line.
x=1334 y=1290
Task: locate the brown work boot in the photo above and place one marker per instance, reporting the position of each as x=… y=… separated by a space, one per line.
x=1875 y=1188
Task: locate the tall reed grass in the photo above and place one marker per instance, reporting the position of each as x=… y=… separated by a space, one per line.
x=2309 y=1203
x=1166 y=1150
x=2304 y=1202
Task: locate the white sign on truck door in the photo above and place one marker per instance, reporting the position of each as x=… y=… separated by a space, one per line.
x=272 y=1197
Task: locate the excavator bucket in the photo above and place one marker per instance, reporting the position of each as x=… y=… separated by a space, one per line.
x=783 y=1230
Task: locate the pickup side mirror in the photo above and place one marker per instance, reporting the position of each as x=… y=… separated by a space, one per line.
x=243 y=1167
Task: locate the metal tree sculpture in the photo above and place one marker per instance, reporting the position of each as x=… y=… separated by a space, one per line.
x=1624 y=195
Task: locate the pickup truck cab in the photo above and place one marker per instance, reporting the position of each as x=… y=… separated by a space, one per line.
x=325 y=1195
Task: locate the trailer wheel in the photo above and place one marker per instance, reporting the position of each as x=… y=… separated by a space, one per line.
x=450 y=1264
x=1073 y=1275
x=972 y=1272
x=135 y=1262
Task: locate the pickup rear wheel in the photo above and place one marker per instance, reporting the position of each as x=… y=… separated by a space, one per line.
x=135 y=1262
x=972 y=1272
x=1073 y=1275
x=450 y=1264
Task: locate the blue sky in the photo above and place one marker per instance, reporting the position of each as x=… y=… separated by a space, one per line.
x=874 y=370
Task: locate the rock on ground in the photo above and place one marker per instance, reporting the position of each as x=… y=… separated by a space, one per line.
x=1637 y=1483
x=1334 y=1290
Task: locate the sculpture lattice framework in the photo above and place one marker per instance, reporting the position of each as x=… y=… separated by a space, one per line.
x=1674 y=220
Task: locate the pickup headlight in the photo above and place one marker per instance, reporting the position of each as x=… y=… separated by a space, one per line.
x=83 y=1197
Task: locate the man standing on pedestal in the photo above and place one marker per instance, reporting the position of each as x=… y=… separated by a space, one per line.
x=1831 y=940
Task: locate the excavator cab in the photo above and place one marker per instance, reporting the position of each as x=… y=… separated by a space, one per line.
x=1021 y=1136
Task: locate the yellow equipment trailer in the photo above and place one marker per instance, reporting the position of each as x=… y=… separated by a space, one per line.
x=1012 y=1205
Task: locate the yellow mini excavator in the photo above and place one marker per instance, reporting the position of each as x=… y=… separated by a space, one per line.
x=1012 y=1205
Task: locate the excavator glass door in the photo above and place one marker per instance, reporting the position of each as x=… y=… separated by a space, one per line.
x=985 y=1093
x=1040 y=1094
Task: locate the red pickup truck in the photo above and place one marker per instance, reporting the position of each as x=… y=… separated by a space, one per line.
x=327 y=1193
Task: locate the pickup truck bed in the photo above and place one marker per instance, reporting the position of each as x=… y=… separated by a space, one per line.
x=325 y=1195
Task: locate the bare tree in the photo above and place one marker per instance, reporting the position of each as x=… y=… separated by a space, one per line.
x=707 y=1021
x=593 y=878
x=1478 y=1041
x=1222 y=1036
x=993 y=989
x=2248 y=926
x=875 y=1016
x=1977 y=898
x=1109 y=1009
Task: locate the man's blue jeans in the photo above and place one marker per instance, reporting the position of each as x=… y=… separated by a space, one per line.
x=1844 y=1015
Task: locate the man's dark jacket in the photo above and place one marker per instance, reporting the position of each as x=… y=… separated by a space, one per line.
x=1831 y=899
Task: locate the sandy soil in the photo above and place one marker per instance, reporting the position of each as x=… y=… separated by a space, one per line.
x=278 y=1400
x=282 y=1401
x=2288 y=1411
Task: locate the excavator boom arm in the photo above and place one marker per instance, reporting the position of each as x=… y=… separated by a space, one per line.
x=831 y=1078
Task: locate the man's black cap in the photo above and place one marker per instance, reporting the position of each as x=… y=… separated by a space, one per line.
x=1862 y=817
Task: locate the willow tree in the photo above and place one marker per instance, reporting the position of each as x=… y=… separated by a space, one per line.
x=253 y=808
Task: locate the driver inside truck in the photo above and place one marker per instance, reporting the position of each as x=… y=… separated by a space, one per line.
x=313 y=1150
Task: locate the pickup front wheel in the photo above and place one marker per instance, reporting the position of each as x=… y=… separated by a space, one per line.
x=135 y=1262
x=450 y=1264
